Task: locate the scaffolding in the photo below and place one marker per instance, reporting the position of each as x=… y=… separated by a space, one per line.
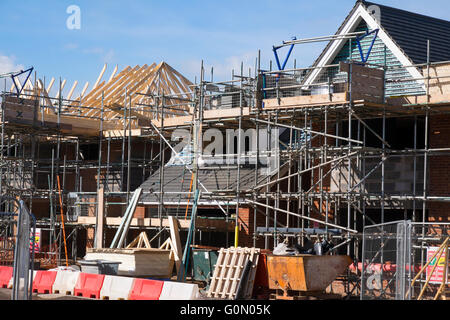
x=334 y=154
x=319 y=152
x=85 y=146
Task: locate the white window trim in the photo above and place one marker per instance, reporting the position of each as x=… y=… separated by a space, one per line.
x=362 y=14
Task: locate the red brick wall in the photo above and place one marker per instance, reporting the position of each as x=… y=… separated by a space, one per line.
x=319 y=142
x=246 y=227
x=439 y=168
x=139 y=213
x=90 y=236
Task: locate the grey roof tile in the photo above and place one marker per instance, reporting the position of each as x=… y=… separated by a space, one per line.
x=177 y=179
x=411 y=32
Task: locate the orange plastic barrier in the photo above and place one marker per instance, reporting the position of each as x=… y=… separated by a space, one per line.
x=5 y=276
x=144 y=289
x=89 y=285
x=43 y=282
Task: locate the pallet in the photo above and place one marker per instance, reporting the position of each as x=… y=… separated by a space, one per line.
x=228 y=271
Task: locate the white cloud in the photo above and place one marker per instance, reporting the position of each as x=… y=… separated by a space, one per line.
x=222 y=70
x=71 y=46
x=8 y=64
x=93 y=51
x=105 y=56
x=109 y=56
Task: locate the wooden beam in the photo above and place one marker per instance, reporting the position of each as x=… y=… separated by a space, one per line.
x=63 y=84
x=71 y=90
x=304 y=101
x=100 y=217
x=84 y=90
x=50 y=85
x=99 y=77
x=155 y=222
x=175 y=237
x=113 y=73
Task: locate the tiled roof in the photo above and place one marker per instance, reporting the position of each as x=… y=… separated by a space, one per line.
x=411 y=31
x=177 y=179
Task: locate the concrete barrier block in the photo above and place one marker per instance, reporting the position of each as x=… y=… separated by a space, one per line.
x=179 y=291
x=116 y=288
x=65 y=282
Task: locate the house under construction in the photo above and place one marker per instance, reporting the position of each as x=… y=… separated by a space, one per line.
x=358 y=139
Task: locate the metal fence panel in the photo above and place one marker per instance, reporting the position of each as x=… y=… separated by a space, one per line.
x=394 y=253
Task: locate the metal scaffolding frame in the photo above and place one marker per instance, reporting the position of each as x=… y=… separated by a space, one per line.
x=323 y=138
x=307 y=159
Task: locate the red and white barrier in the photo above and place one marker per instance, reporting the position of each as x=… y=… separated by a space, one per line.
x=105 y=287
x=6 y=274
x=43 y=281
x=179 y=291
x=116 y=288
x=89 y=285
x=10 y=284
x=145 y=289
x=65 y=282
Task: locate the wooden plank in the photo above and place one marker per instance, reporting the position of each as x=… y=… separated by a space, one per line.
x=20 y=116
x=135 y=242
x=173 y=88
x=183 y=83
x=117 y=93
x=136 y=262
x=152 y=222
x=94 y=94
x=175 y=237
x=228 y=272
x=119 y=133
x=100 y=76
x=145 y=88
x=237 y=272
x=100 y=217
x=116 y=107
x=141 y=240
x=219 y=273
x=208 y=114
x=95 y=100
x=69 y=95
x=142 y=79
x=301 y=101
x=405 y=100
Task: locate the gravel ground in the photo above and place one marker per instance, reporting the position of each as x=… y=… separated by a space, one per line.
x=5 y=294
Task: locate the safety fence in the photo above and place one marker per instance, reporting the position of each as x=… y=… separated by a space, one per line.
x=404 y=260
x=65 y=281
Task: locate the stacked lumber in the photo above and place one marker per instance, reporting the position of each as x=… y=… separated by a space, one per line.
x=122 y=88
x=151 y=262
x=229 y=270
x=133 y=89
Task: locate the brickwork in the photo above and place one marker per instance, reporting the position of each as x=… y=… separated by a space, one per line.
x=319 y=142
x=246 y=225
x=439 y=168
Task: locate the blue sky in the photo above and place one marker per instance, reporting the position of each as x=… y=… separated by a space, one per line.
x=182 y=33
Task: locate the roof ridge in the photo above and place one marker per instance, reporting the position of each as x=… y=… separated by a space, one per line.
x=403 y=10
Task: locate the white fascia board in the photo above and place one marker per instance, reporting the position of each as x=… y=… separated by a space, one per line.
x=359 y=14
x=335 y=46
x=373 y=24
